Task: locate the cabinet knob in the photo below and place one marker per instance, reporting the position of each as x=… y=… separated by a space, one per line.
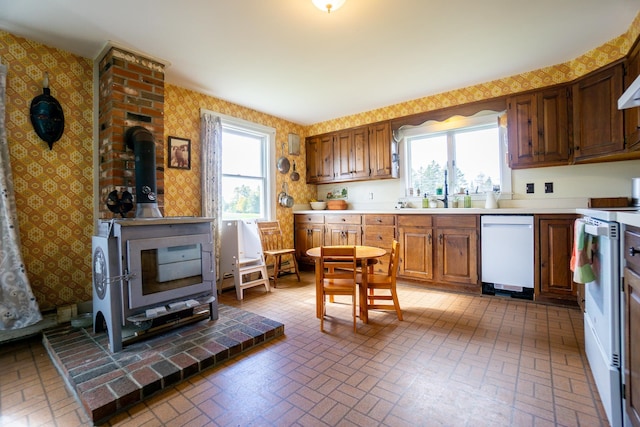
x=633 y=251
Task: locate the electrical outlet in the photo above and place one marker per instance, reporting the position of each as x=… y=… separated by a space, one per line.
x=548 y=187
x=530 y=188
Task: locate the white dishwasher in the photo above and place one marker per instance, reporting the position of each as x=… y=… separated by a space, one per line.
x=507 y=255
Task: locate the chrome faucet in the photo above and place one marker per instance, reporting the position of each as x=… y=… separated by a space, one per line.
x=445 y=199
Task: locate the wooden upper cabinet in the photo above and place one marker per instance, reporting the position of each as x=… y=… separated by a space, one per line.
x=356 y=154
x=319 y=158
x=538 y=128
x=597 y=123
x=632 y=115
x=383 y=151
x=351 y=154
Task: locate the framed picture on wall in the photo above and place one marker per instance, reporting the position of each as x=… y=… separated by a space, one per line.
x=179 y=153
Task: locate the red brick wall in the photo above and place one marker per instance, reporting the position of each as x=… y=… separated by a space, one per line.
x=131 y=93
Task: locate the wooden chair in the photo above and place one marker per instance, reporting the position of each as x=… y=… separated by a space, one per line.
x=273 y=246
x=384 y=282
x=338 y=276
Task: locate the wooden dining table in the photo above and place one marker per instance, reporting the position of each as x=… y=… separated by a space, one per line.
x=363 y=255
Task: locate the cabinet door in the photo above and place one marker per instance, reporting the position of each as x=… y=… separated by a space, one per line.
x=382 y=151
x=312 y=154
x=336 y=234
x=555 y=245
x=522 y=124
x=538 y=128
x=307 y=236
x=553 y=123
x=632 y=346
x=416 y=252
x=342 y=156
x=351 y=154
x=457 y=255
x=319 y=158
x=325 y=158
x=597 y=122
x=360 y=153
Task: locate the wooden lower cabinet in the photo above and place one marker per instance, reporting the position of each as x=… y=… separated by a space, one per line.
x=457 y=253
x=554 y=279
x=631 y=325
x=342 y=230
x=415 y=234
x=309 y=233
x=440 y=249
x=379 y=231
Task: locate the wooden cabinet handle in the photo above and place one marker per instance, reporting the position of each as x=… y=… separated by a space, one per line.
x=633 y=251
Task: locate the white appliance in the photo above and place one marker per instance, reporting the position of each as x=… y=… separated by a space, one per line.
x=507 y=253
x=602 y=318
x=631 y=97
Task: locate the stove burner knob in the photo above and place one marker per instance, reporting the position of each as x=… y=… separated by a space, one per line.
x=633 y=251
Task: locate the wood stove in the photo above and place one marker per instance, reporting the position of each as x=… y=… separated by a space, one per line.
x=151 y=274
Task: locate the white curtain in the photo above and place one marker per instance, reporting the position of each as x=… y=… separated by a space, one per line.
x=211 y=141
x=18 y=306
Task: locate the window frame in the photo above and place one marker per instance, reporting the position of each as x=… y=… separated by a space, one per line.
x=269 y=134
x=480 y=120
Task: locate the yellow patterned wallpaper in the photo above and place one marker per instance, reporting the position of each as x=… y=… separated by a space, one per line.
x=182 y=118
x=54 y=189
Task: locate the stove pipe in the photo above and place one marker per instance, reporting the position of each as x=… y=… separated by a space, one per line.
x=140 y=140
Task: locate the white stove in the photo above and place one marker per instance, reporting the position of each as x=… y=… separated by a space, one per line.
x=603 y=309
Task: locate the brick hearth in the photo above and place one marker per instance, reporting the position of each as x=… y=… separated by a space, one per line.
x=107 y=383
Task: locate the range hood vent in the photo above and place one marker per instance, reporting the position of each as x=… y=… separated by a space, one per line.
x=631 y=97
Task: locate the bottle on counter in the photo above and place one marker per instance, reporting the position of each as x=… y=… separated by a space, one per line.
x=467 y=200
x=425 y=201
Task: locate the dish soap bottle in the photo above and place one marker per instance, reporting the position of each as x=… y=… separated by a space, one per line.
x=425 y=201
x=467 y=200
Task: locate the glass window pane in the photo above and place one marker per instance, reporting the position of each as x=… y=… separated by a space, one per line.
x=242 y=153
x=428 y=157
x=242 y=197
x=477 y=154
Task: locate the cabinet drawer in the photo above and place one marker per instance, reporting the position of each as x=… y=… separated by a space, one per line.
x=380 y=220
x=632 y=240
x=309 y=219
x=343 y=219
x=456 y=221
x=415 y=220
x=379 y=236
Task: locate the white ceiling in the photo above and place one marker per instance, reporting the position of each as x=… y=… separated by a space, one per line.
x=288 y=59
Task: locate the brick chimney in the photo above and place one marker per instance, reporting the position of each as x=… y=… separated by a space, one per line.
x=131 y=94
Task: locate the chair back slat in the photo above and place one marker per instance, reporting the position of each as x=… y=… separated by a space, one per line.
x=338 y=262
x=271 y=235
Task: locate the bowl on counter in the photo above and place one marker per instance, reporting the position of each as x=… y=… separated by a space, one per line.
x=318 y=206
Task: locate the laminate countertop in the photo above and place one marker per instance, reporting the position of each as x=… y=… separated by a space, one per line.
x=447 y=211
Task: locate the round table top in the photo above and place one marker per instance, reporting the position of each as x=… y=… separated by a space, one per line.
x=361 y=251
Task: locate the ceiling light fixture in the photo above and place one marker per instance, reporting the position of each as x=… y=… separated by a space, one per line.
x=328 y=5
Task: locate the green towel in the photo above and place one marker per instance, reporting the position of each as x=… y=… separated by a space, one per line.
x=582 y=254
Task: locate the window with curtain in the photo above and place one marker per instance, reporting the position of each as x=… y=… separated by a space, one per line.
x=246 y=181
